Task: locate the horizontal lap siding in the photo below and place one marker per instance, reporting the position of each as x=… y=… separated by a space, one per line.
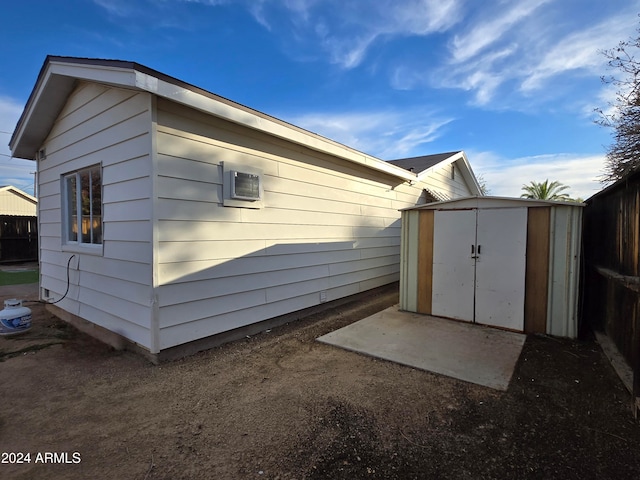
x=441 y=181
x=111 y=288
x=326 y=226
x=12 y=203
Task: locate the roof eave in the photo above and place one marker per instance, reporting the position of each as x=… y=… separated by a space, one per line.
x=20 y=193
x=236 y=113
x=59 y=75
x=55 y=82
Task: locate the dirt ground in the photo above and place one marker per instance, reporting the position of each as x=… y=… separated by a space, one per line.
x=280 y=405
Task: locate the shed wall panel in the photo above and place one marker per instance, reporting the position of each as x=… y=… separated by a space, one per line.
x=425 y=261
x=564 y=265
x=538 y=238
x=409 y=261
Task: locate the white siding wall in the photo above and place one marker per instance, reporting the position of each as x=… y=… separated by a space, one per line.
x=328 y=229
x=111 y=287
x=441 y=181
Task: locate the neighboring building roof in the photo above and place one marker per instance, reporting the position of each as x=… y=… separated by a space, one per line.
x=14 y=201
x=59 y=75
x=420 y=164
x=423 y=166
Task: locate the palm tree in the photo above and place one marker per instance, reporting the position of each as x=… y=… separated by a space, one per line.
x=545 y=191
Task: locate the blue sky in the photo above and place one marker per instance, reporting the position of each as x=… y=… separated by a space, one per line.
x=512 y=82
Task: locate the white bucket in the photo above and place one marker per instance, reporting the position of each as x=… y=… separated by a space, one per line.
x=14 y=318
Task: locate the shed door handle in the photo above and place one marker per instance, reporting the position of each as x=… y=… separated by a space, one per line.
x=479 y=247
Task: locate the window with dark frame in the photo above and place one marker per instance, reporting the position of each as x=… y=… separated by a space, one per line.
x=83 y=206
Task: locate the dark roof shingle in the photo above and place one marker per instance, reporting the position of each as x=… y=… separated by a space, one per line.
x=420 y=164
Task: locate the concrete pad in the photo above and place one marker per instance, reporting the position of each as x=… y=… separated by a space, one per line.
x=469 y=352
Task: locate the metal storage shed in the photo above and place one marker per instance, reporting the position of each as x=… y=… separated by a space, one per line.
x=504 y=262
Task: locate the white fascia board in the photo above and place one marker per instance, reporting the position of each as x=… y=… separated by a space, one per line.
x=17 y=191
x=27 y=115
x=118 y=76
x=265 y=124
x=57 y=74
x=469 y=176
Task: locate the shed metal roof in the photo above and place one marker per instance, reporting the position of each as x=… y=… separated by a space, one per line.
x=492 y=202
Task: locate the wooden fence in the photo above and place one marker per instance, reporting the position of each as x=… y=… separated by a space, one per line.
x=18 y=238
x=611 y=287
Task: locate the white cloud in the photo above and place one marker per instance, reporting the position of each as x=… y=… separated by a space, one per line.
x=578 y=50
x=419 y=17
x=388 y=18
x=505 y=177
x=490 y=29
x=346 y=31
x=348 y=53
x=386 y=135
x=117 y=8
x=608 y=96
x=517 y=56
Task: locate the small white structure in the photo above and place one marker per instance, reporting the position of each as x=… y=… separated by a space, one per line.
x=508 y=263
x=189 y=215
x=18 y=225
x=15 y=202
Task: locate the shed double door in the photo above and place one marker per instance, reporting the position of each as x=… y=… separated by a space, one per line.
x=479 y=266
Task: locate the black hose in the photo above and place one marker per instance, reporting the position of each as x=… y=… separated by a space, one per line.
x=68 y=283
x=66 y=291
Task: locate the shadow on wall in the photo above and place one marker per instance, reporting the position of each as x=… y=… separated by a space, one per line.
x=202 y=298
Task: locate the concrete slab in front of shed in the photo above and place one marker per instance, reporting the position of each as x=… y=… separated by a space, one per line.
x=473 y=353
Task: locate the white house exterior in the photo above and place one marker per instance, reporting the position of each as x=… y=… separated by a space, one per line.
x=189 y=215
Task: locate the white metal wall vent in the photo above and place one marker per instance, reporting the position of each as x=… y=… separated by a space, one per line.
x=245 y=186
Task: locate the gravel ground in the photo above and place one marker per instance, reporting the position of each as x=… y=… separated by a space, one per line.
x=280 y=405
